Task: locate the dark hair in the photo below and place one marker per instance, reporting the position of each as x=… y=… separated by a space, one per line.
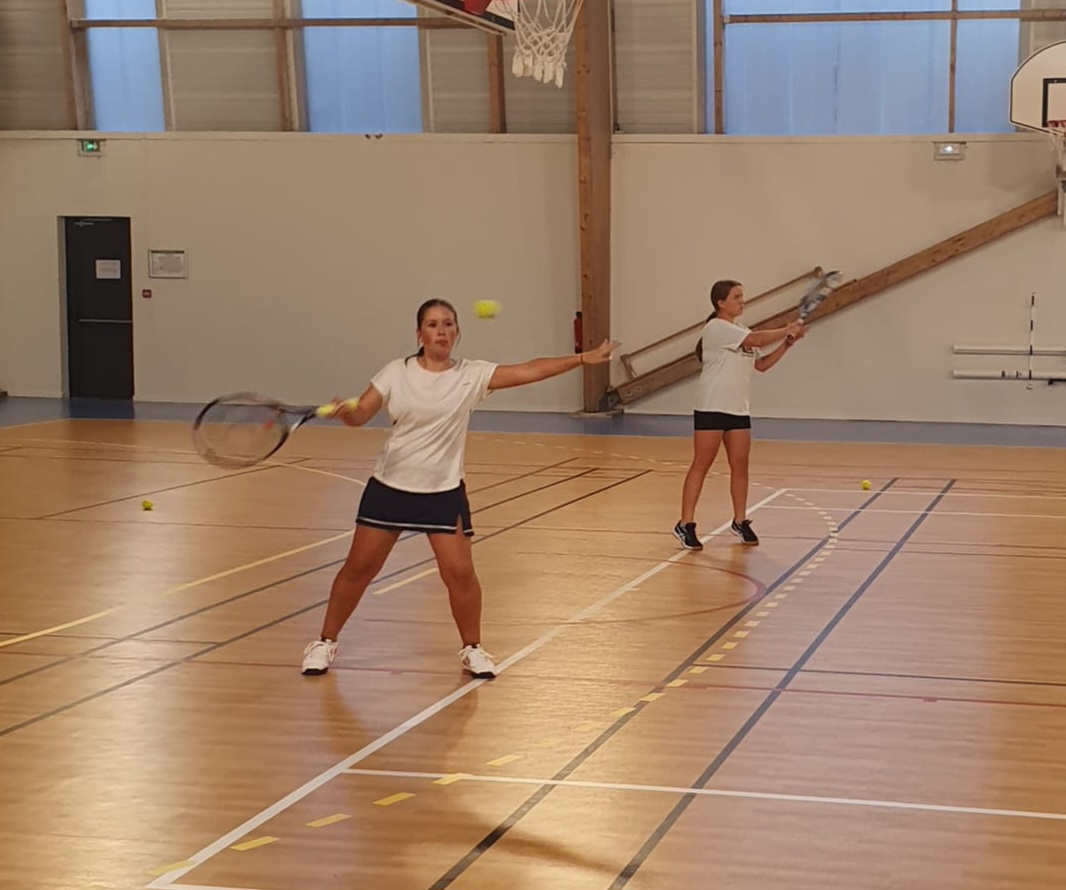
x=720 y=290
x=421 y=316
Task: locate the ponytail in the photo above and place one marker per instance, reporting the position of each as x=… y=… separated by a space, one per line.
x=719 y=291
x=699 y=343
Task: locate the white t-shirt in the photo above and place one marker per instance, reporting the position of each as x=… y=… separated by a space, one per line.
x=725 y=379
x=430 y=412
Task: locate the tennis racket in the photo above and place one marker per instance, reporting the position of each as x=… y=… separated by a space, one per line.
x=244 y=429
x=816 y=295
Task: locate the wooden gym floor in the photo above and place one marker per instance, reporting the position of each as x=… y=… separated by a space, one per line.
x=873 y=698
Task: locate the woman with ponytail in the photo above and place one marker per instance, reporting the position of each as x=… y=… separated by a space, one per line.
x=417 y=484
x=729 y=352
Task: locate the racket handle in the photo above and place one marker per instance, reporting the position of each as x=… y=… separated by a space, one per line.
x=331 y=409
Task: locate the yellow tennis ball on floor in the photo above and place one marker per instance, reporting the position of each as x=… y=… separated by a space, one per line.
x=865 y=484
x=486 y=308
x=147 y=505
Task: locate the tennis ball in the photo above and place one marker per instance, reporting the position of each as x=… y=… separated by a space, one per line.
x=865 y=484
x=486 y=308
x=147 y=505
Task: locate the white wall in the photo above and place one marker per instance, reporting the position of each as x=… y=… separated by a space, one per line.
x=309 y=254
x=688 y=211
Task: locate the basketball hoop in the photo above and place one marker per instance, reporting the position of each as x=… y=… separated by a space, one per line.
x=542 y=34
x=1056 y=131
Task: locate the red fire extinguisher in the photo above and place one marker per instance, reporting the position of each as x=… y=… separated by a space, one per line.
x=579 y=337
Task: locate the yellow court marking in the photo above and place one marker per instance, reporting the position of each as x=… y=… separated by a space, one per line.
x=621 y=712
x=165 y=869
x=770 y=605
x=752 y=624
x=547 y=743
x=729 y=645
x=507 y=758
x=740 y=634
x=251 y=845
x=652 y=696
x=590 y=726
x=405 y=581
x=762 y=614
x=676 y=683
x=697 y=670
x=780 y=596
x=395 y=798
x=181 y=587
x=328 y=820
x=450 y=780
x=717 y=657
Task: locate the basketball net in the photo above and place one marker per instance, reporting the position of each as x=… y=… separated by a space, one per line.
x=1056 y=131
x=542 y=34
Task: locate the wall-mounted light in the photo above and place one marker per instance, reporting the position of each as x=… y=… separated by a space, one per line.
x=949 y=151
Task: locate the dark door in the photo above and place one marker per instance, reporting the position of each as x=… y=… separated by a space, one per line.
x=99 y=307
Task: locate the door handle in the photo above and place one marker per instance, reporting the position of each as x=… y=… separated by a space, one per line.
x=105 y=321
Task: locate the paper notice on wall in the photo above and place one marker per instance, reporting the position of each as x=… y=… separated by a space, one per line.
x=108 y=269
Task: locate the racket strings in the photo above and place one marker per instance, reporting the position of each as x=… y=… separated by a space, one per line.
x=239 y=434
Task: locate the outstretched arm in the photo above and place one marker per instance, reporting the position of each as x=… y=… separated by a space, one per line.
x=766 y=362
x=765 y=338
x=542 y=368
x=369 y=404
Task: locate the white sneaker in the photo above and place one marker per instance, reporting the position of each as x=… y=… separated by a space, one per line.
x=478 y=662
x=318 y=656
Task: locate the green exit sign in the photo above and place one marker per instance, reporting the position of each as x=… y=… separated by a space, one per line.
x=90 y=147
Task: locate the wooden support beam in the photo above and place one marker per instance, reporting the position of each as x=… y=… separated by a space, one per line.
x=592 y=81
x=859 y=289
x=719 y=66
x=1026 y=15
x=283 y=62
x=250 y=24
x=75 y=68
x=952 y=66
x=497 y=87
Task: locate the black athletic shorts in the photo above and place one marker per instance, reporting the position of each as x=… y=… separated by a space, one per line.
x=717 y=420
x=433 y=513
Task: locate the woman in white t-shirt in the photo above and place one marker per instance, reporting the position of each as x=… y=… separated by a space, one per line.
x=417 y=484
x=729 y=352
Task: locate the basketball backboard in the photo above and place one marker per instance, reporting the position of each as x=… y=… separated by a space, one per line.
x=1038 y=89
x=494 y=18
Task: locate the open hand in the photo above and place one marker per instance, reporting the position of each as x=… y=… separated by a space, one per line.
x=600 y=354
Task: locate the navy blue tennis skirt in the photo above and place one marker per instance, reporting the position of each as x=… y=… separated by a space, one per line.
x=432 y=513
x=719 y=420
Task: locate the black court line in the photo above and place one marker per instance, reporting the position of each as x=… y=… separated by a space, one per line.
x=668 y=822
x=611 y=731
x=267 y=625
x=155 y=491
x=1051 y=684
x=207 y=608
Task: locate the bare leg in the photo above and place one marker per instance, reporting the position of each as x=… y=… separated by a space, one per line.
x=704 y=448
x=370 y=548
x=455 y=560
x=737 y=450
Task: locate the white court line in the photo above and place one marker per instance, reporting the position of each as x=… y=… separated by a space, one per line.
x=931 y=512
x=950 y=494
x=715 y=792
x=166 y=882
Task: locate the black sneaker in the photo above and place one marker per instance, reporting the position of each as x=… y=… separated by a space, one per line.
x=686 y=534
x=743 y=531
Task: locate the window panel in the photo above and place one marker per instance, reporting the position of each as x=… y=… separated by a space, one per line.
x=124 y=68
x=987 y=56
x=362 y=80
x=837 y=78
